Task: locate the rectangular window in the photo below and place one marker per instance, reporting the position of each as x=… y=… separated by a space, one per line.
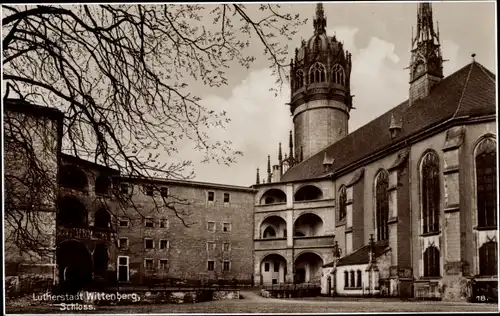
x=266 y=266
x=124 y=222
x=227 y=246
x=164 y=192
x=163 y=244
x=226 y=227
x=226 y=197
x=211 y=226
x=123 y=243
x=211 y=265
x=149 y=243
x=149 y=264
x=226 y=265
x=149 y=190
x=148 y=222
x=163 y=223
x=276 y=267
x=211 y=196
x=210 y=245
x=124 y=187
x=163 y=264
x=123 y=261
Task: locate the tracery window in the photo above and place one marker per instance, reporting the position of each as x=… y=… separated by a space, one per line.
x=342 y=203
x=488 y=256
x=486 y=171
x=430 y=193
x=431 y=262
x=382 y=205
x=338 y=74
x=317 y=73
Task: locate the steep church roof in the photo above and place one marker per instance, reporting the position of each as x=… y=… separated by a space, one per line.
x=469 y=91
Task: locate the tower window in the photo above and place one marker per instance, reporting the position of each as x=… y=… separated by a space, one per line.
x=317 y=73
x=430 y=193
x=382 y=205
x=338 y=74
x=299 y=79
x=486 y=171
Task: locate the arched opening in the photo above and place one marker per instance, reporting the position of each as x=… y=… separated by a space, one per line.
x=71 y=213
x=342 y=209
x=308 y=267
x=273 y=227
x=75 y=266
x=308 y=193
x=430 y=186
x=102 y=184
x=273 y=196
x=72 y=177
x=101 y=260
x=382 y=205
x=273 y=269
x=486 y=184
x=298 y=233
x=338 y=74
x=432 y=262
x=488 y=258
x=308 y=225
x=102 y=219
x=317 y=73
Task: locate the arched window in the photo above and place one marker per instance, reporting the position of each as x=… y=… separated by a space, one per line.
x=352 y=279
x=338 y=74
x=382 y=205
x=102 y=184
x=317 y=73
x=72 y=177
x=269 y=232
x=486 y=170
x=102 y=219
x=358 y=278
x=299 y=79
x=342 y=203
x=488 y=256
x=431 y=262
x=430 y=193
x=346 y=279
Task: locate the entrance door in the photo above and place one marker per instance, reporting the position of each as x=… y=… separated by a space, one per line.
x=300 y=275
x=123 y=268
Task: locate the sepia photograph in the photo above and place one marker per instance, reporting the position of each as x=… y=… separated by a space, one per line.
x=250 y=158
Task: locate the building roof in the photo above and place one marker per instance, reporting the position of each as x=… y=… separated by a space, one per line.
x=469 y=91
x=22 y=106
x=362 y=255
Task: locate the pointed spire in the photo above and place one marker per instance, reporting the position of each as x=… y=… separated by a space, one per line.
x=425 y=25
x=257 y=180
x=290 y=145
x=319 y=20
x=269 y=169
x=280 y=154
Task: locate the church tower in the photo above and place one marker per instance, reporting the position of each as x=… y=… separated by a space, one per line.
x=320 y=97
x=426 y=65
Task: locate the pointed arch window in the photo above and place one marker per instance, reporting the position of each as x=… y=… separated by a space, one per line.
x=342 y=203
x=338 y=74
x=351 y=283
x=382 y=205
x=358 y=278
x=486 y=196
x=432 y=262
x=299 y=79
x=430 y=193
x=488 y=256
x=317 y=73
x=346 y=279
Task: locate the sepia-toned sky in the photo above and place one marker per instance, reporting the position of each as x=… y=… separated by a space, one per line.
x=378 y=36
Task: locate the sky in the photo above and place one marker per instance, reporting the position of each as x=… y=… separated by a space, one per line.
x=378 y=36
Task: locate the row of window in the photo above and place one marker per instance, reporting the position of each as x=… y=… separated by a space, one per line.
x=212 y=227
x=353 y=279
x=149 y=264
x=226 y=265
x=430 y=192
x=211 y=246
x=149 y=243
x=162 y=264
x=149 y=222
x=317 y=73
x=275 y=264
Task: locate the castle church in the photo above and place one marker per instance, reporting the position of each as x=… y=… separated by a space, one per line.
x=404 y=206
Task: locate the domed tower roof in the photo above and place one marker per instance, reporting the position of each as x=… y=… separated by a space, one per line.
x=321 y=67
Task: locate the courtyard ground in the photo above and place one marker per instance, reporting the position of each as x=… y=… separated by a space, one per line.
x=252 y=302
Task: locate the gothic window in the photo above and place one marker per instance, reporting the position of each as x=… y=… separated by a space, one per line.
x=382 y=205
x=317 y=73
x=346 y=279
x=488 y=255
x=342 y=203
x=299 y=79
x=358 y=278
x=430 y=193
x=352 y=284
x=486 y=171
x=431 y=262
x=338 y=74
